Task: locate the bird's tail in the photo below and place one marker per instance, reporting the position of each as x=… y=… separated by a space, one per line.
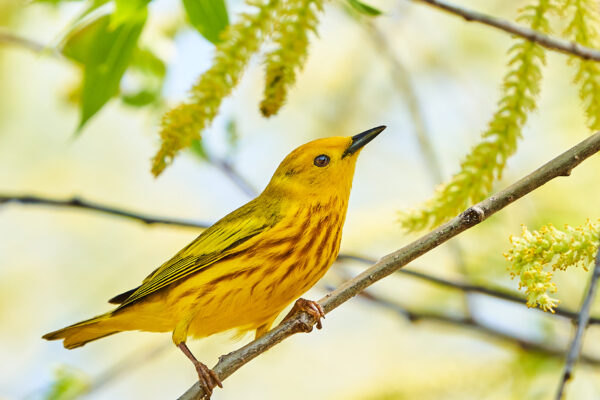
x=86 y=331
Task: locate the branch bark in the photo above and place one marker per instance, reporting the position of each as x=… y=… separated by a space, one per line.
x=582 y=323
x=562 y=46
x=302 y=322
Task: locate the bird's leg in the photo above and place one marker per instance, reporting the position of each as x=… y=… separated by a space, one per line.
x=207 y=378
x=309 y=306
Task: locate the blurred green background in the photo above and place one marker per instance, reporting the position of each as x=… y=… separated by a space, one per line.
x=58 y=266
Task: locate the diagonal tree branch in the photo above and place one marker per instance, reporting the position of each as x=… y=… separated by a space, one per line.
x=302 y=322
x=546 y=41
x=75 y=202
x=88 y=205
x=582 y=323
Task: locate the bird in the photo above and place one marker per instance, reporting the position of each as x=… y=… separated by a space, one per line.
x=243 y=271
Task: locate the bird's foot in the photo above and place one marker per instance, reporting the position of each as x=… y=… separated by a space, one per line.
x=311 y=307
x=207 y=378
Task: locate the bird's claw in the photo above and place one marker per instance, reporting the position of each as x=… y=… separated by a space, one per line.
x=312 y=308
x=207 y=378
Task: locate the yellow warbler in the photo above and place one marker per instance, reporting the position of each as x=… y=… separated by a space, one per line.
x=245 y=269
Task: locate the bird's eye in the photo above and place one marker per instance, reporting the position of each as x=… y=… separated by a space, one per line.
x=322 y=160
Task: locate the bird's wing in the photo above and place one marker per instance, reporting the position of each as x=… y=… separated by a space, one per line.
x=218 y=241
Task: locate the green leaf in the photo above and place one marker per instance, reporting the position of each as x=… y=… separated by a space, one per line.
x=209 y=17
x=364 y=8
x=105 y=53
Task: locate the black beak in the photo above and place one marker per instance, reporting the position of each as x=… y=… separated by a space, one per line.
x=358 y=141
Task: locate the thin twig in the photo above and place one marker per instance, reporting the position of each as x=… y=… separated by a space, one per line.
x=470 y=323
x=302 y=322
x=546 y=41
x=88 y=205
x=496 y=292
x=582 y=323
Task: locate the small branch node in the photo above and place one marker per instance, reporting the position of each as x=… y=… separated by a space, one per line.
x=473 y=215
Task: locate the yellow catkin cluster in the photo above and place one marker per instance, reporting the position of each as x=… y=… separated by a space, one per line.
x=535 y=254
x=487 y=160
x=184 y=123
x=584 y=17
x=295 y=20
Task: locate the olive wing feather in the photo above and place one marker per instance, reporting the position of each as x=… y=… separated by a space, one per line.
x=221 y=239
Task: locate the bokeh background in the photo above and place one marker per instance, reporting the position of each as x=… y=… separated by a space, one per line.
x=58 y=266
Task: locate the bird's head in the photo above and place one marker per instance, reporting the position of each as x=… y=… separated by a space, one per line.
x=323 y=167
